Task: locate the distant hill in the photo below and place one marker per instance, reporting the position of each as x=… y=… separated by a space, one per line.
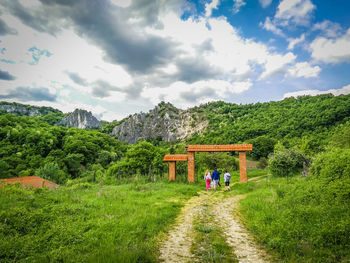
x=290 y=121
x=305 y=121
x=27 y=110
x=47 y=114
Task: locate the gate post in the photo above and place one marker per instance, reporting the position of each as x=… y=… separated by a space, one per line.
x=243 y=167
x=190 y=167
x=172 y=171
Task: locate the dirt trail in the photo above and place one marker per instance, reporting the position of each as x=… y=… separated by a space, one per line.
x=178 y=244
x=236 y=235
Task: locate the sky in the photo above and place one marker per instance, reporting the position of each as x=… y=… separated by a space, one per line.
x=120 y=57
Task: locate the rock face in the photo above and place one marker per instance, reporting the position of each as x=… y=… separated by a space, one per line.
x=80 y=119
x=163 y=121
x=27 y=110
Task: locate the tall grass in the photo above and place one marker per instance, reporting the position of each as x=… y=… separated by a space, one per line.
x=88 y=222
x=301 y=219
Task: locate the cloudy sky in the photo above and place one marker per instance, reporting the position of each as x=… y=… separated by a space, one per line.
x=118 y=57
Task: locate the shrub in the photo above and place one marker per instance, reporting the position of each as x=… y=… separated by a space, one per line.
x=332 y=165
x=286 y=162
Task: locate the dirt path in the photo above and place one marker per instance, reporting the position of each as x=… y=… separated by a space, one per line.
x=176 y=248
x=236 y=235
x=178 y=245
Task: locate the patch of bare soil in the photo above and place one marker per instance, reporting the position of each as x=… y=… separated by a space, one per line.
x=30 y=181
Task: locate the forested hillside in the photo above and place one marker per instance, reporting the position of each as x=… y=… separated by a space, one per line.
x=305 y=122
x=33 y=145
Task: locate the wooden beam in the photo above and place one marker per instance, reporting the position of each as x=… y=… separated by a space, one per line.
x=243 y=167
x=172 y=171
x=190 y=165
x=220 y=148
x=175 y=157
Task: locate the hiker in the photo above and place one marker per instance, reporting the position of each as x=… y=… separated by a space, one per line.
x=227 y=178
x=216 y=178
x=207 y=179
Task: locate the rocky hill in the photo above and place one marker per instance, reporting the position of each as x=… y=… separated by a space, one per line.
x=27 y=110
x=164 y=121
x=80 y=119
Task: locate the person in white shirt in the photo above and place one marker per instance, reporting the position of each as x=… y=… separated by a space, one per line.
x=227 y=178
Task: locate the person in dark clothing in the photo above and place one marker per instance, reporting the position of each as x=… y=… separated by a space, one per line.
x=216 y=177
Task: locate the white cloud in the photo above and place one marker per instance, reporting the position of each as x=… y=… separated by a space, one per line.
x=69 y=53
x=331 y=50
x=265 y=3
x=184 y=95
x=296 y=11
x=336 y=92
x=277 y=64
x=210 y=6
x=270 y=26
x=289 y=13
x=328 y=28
x=303 y=69
x=295 y=41
x=237 y=5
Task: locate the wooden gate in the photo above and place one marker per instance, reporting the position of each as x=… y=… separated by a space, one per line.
x=189 y=157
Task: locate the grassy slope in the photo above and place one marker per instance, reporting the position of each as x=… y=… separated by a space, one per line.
x=88 y=223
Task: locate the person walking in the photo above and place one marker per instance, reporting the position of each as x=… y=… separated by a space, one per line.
x=216 y=178
x=227 y=178
x=207 y=178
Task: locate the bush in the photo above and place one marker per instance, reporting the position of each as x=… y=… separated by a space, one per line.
x=286 y=162
x=52 y=172
x=332 y=165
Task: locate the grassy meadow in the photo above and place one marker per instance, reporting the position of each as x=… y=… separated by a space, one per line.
x=299 y=219
x=88 y=222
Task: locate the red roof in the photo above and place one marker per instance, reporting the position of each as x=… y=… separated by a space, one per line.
x=34 y=181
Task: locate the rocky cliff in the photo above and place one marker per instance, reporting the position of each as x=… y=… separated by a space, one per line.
x=80 y=119
x=27 y=110
x=163 y=121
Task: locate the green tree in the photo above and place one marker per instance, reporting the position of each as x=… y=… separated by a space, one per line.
x=74 y=162
x=262 y=147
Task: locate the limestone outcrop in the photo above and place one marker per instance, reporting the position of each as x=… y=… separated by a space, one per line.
x=80 y=119
x=164 y=122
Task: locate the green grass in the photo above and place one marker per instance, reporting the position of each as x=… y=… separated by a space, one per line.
x=88 y=223
x=299 y=219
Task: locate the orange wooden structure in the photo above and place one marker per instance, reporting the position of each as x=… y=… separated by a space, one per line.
x=189 y=157
x=172 y=158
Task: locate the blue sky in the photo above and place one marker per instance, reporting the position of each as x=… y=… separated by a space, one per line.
x=119 y=57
